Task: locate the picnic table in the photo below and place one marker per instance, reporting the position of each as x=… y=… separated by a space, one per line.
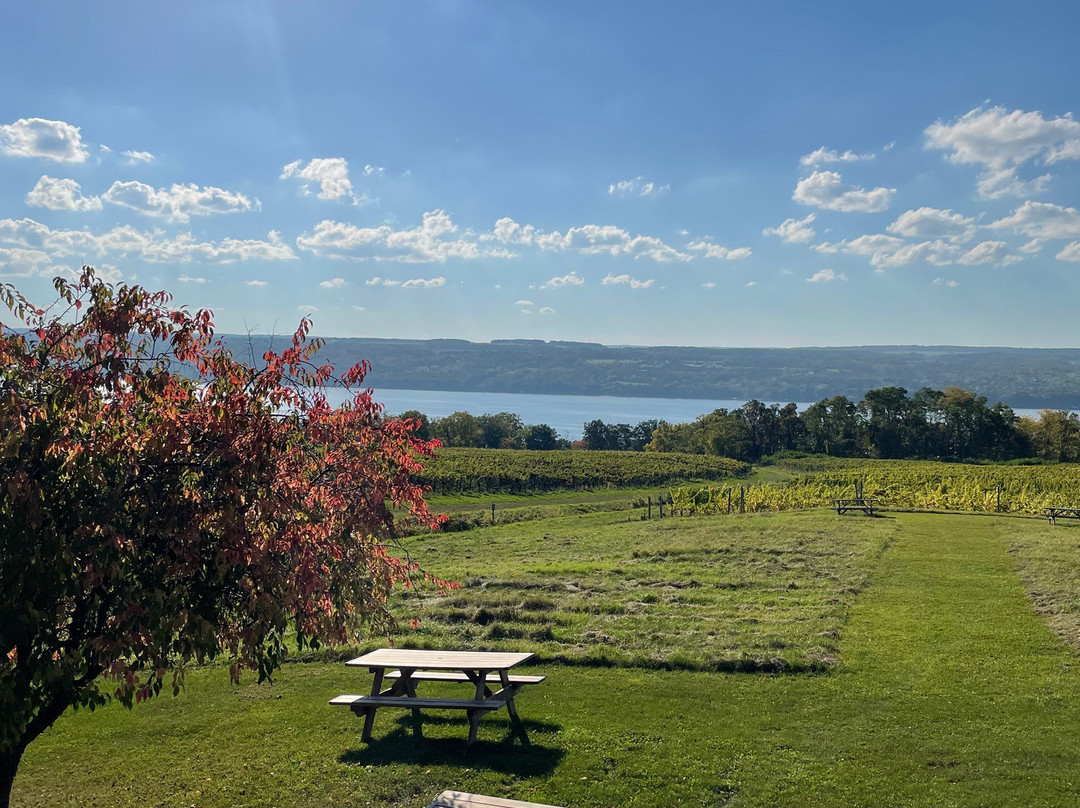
x=858 y=504
x=461 y=799
x=406 y=667
x=1052 y=514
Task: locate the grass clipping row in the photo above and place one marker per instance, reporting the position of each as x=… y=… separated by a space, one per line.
x=769 y=592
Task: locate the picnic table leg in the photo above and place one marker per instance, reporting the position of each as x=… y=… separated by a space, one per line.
x=369 y=713
x=474 y=725
x=410 y=690
x=515 y=722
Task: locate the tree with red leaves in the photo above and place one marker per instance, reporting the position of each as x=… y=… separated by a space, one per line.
x=162 y=502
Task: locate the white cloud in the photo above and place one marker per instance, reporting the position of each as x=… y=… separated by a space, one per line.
x=547 y=310
x=38 y=137
x=414 y=283
x=61 y=194
x=570 y=279
x=889 y=251
x=370 y=169
x=709 y=285
x=995 y=183
x=933 y=223
x=526 y=311
x=989 y=252
x=1001 y=141
x=179 y=202
x=710 y=250
x=937 y=252
x=424 y=283
x=359 y=308
x=821 y=156
x=633 y=283
x=1033 y=247
x=22 y=262
x=943 y=282
x=333 y=283
x=637 y=187
x=995 y=137
x=255 y=283
x=135 y=157
x=523 y=302
x=189 y=279
x=153 y=247
x=826 y=276
x=331 y=174
x=306 y=308
x=1041 y=220
x=1071 y=252
x=824 y=189
x=793 y=231
x=751 y=283
x=587 y=239
x=877 y=246
x=418 y=245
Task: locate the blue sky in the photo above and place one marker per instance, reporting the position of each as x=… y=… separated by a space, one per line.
x=734 y=174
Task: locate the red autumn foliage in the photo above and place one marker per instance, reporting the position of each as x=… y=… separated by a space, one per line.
x=163 y=502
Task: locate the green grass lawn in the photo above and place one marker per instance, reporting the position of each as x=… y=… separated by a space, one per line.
x=952 y=691
x=761 y=593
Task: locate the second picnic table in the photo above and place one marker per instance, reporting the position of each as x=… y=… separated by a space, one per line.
x=863 y=504
x=479 y=668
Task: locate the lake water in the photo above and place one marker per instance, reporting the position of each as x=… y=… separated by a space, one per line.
x=567 y=415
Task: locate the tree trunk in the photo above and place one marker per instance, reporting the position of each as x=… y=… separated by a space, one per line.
x=9 y=764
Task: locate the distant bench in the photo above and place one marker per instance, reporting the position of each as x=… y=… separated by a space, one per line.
x=858 y=504
x=459 y=799
x=1053 y=514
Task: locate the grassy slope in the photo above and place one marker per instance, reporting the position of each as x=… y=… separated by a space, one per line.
x=953 y=692
x=716 y=593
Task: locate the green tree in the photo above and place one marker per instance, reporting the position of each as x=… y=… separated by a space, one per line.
x=149 y=519
x=541 y=436
x=458 y=429
x=502 y=430
x=890 y=422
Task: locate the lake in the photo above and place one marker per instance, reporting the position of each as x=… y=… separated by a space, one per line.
x=565 y=414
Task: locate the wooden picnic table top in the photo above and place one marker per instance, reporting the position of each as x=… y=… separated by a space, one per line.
x=440 y=660
x=856 y=499
x=1061 y=510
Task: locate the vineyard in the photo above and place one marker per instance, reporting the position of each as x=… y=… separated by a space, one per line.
x=455 y=471
x=897 y=484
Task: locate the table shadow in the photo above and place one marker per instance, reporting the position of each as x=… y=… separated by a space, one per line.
x=505 y=756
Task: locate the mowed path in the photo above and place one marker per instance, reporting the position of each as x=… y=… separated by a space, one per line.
x=954 y=692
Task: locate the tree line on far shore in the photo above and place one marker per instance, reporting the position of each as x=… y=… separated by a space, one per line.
x=887 y=423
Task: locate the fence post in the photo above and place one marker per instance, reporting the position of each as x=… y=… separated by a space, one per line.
x=742 y=499
x=729 y=500
x=650 y=506
x=492 y=513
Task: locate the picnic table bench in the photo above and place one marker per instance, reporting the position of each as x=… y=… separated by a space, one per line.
x=1052 y=514
x=459 y=799
x=858 y=504
x=482 y=669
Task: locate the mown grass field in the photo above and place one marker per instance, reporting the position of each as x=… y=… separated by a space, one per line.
x=952 y=688
x=753 y=594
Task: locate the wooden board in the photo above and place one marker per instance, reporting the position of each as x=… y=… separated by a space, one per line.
x=460 y=799
x=409 y=703
x=439 y=660
x=449 y=676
